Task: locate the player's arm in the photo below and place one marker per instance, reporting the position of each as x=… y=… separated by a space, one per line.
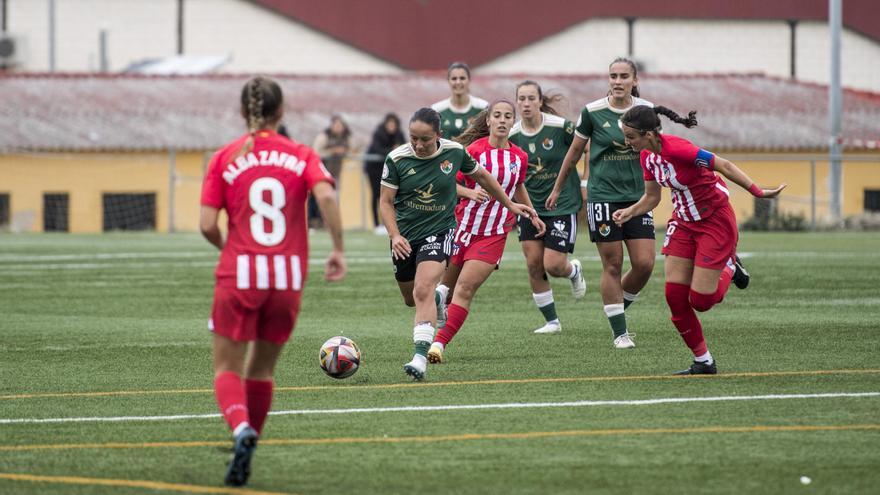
x=646 y=203
x=491 y=186
x=325 y=196
x=729 y=170
x=569 y=163
x=478 y=195
x=521 y=195
x=208 y=224
x=400 y=247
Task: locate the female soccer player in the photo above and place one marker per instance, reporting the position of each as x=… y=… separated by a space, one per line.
x=261 y=179
x=457 y=110
x=615 y=182
x=483 y=225
x=417 y=204
x=546 y=137
x=701 y=236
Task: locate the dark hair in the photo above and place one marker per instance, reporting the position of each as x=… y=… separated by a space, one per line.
x=346 y=131
x=458 y=65
x=429 y=116
x=391 y=116
x=261 y=102
x=633 y=66
x=547 y=101
x=644 y=118
x=478 y=127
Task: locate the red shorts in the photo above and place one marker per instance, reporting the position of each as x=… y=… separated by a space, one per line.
x=486 y=248
x=709 y=242
x=253 y=314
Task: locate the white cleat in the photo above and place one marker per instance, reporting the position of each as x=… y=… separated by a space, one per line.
x=625 y=341
x=551 y=327
x=415 y=369
x=579 y=284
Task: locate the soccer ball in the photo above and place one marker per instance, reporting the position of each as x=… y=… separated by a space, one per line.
x=339 y=357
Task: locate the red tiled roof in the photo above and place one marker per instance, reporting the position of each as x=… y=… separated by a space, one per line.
x=92 y=113
x=429 y=34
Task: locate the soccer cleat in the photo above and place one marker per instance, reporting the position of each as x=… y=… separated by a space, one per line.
x=435 y=353
x=698 y=368
x=414 y=370
x=441 y=310
x=579 y=284
x=740 y=274
x=240 y=466
x=624 y=341
x=550 y=327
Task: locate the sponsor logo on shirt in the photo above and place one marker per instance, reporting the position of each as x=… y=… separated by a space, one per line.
x=621 y=147
x=606 y=124
x=446 y=166
x=411 y=171
x=426 y=196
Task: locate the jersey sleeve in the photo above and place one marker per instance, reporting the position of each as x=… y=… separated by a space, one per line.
x=568 y=127
x=468 y=164
x=389 y=174
x=315 y=171
x=688 y=152
x=584 y=128
x=213 y=187
x=647 y=173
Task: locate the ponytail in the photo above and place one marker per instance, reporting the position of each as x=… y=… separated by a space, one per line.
x=477 y=128
x=644 y=118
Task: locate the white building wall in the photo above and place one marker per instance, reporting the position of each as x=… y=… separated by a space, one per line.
x=583 y=48
x=859 y=60
x=259 y=40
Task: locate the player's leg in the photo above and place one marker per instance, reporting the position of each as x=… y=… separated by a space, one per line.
x=259 y=380
x=641 y=257
x=558 y=243
x=679 y=273
x=473 y=274
x=714 y=259
x=611 y=254
x=428 y=274
x=405 y=274
x=229 y=390
x=443 y=294
x=542 y=292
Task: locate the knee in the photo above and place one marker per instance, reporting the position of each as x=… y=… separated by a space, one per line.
x=422 y=293
x=643 y=266
x=558 y=268
x=612 y=267
x=536 y=271
x=465 y=291
x=701 y=302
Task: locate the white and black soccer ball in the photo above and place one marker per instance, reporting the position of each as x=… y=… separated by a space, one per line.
x=339 y=357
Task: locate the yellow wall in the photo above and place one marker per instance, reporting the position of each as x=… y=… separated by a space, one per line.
x=86 y=176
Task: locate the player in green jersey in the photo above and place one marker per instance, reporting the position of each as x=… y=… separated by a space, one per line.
x=417 y=204
x=615 y=182
x=545 y=137
x=457 y=110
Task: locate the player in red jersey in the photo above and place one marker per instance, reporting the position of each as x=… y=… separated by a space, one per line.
x=701 y=236
x=483 y=223
x=262 y=180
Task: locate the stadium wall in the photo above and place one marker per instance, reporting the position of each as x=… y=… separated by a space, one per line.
x=86 y=177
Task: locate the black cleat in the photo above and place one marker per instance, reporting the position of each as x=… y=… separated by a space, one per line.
x=740 y=274
x=698 y=368
x=240 y=466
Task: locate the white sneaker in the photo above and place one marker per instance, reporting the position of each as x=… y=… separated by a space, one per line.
x=625 y=341
x=578 y=285
x=551 y=327
x=380 y=230
x=416 y=368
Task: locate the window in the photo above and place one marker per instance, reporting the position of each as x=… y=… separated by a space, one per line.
x=127 y=211
x=56 y=211
x=872 y=200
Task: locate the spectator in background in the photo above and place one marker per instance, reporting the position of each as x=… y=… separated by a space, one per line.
x=332 y=144
x=386 y=137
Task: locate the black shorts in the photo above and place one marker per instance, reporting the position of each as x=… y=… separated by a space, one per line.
x=560 y=235
x=436 y=247
x=603 y=228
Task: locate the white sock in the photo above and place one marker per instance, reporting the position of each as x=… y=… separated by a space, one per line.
x=574 y=272
x=705 y=358
x=613 y=309
x=238 y=429
x=423 y=332
x=543 y=298
x=440 y=345
x=443 y=291
x=630 y=297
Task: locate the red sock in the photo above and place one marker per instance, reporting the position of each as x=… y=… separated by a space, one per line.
x=704 y=302
x=455 y=316
x=259 y=400
x=230 y=397
x=684 y=318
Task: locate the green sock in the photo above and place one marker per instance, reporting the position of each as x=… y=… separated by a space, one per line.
x=617 y=318
x=549 y=312
x=629 y=298
x=626 y=303
x=422 y=348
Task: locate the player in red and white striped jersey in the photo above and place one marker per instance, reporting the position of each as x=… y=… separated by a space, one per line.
x=483 y=223
x=701 y=236
x=262 y=180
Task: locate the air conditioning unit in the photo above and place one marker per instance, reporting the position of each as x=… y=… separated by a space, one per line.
x=10 y=50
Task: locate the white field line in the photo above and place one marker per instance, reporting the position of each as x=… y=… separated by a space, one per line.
x=514 y=405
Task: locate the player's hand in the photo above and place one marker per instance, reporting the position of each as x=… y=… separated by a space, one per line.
x=400 y=248
x=620 y=217
x=480 y=196
x=336 y=267
x=772 y=193
x=539 y=225
x=550 y=204
x=523 y=210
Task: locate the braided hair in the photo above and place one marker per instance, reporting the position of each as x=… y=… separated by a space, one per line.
x=261 y=102
x=644 y=118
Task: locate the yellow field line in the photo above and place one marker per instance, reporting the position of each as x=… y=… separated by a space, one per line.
x=452 y=438
x=511 y=381
x=151 y=485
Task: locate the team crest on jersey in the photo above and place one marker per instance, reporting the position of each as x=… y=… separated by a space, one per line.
x=385 y=171
x=446 y=166
x=604 y=229
x=459 y=123
x=532 y=147
x=547 y=144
